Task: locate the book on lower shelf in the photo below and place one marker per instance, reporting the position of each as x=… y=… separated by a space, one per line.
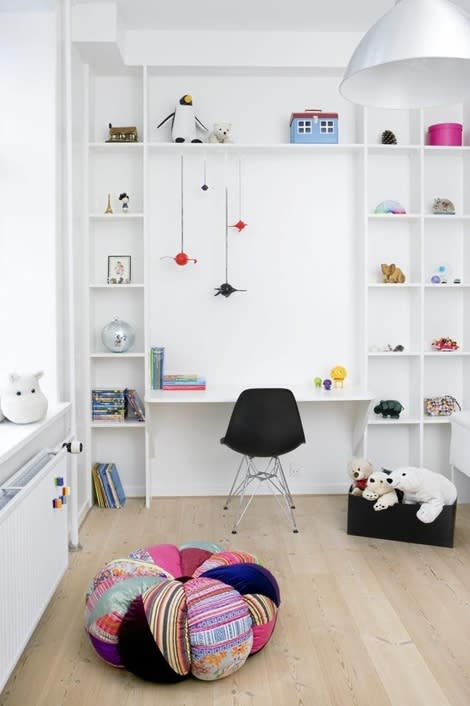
x=183 y=381
x=109 y=492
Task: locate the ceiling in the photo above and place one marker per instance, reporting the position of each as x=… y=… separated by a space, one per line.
x=292 y=15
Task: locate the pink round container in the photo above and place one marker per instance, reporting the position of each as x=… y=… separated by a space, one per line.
x=445 y=134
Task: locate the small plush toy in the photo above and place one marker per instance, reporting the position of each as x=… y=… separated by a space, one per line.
x=389 y=408
x=22 y=399
x=184 y=121
x=359 y=469
x=392 y=274
x=420 y=485
x=378 y=489
x=221 y=133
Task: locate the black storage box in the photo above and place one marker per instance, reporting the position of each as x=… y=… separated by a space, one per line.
x=400 y=523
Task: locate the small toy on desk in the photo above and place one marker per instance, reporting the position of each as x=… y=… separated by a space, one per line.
x=327 y=383
x=221 y=133
x=392 y=274
x=443 y=206
x=389 y=408
x=184 y=121
x=317 y=382
x=359 y=469
x=22 y=400
x=420 y=485
x=378 y=489
x=338 y=374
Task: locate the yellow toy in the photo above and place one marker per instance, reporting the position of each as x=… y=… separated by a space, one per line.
x=338 y=374
x=392 y=274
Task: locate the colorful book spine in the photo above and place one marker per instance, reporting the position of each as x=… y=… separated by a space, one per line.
x=173 y=388
x=157 y=361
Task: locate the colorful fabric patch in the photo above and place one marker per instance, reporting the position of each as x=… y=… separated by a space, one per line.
x=165 y=608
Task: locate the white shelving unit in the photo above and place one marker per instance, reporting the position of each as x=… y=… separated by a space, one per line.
x=162 y=301
x=415 y=313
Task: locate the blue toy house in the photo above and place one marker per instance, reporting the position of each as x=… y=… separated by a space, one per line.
x=314 y=127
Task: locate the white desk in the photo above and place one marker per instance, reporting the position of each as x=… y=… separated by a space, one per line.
x=359 y=400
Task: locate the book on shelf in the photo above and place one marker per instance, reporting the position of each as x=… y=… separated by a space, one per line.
x=156 y=364
x=135 y=404
x=108 y=405
x=107 y=485
x=183 y=382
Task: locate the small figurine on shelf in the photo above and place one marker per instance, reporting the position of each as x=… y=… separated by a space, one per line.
x=327 y=384
x=444 y=207
x=392 y=274
x=388 y=138
x=109 y=208
x=441 y=275
x=317 y=382
x=338 y=373
x=125 y=202
x=445 y=344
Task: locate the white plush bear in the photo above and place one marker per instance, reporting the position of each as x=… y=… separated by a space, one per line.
x=359 y=469
x=420 y=485
x=378 y=489
x=221 y=133
x=22 y=399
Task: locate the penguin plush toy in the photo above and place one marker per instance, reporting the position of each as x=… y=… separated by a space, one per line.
x=184 y=122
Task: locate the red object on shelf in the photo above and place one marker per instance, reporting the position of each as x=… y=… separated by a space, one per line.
x=445 y=344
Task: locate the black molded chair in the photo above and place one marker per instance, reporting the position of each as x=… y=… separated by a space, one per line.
x=265 y=423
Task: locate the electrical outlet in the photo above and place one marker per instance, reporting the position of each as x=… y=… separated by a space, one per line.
x=294 y=471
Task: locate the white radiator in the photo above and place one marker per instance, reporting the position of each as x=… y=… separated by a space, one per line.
x=33 y=550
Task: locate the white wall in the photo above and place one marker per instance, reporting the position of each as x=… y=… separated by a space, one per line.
x=28 y=320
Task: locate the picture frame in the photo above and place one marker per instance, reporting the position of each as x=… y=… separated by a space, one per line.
x=119 y=269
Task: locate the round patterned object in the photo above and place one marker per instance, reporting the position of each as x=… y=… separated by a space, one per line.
x=167 y=612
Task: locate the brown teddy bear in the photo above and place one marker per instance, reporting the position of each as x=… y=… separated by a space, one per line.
x=392 y=274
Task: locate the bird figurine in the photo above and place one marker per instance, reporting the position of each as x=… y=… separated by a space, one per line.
x=184 y=121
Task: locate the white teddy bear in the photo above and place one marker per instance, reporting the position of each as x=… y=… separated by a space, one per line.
x=221 y=133
x=359 y=470
x=378 y=489
x=22 y=399
x=420 y=485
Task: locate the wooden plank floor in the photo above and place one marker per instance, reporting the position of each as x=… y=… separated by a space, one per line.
x=363 y=622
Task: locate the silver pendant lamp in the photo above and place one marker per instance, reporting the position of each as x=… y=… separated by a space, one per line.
x=416 y=56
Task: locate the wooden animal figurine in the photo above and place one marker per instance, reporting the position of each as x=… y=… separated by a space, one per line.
x=392 y=274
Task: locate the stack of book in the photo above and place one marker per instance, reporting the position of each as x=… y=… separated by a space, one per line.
x=156 y=362
x=107 y=484
x=183 y=382
x=134 y=405
x=108 y=405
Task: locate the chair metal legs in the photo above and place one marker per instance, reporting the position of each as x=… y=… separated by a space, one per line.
x=274 y=474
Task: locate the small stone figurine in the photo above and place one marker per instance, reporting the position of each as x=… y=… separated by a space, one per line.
x=125 y=202
x=109 y=208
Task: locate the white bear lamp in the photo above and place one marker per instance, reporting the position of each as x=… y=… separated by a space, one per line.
x=22 y=400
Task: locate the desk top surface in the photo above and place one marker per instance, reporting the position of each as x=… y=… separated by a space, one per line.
x=230 y=393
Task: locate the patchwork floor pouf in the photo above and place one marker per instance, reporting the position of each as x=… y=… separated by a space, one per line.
x=166 y=613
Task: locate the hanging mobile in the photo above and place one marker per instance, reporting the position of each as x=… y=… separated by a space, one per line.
x=240 y=224
x=204 y=187
x=226 y=289
x=181 y=258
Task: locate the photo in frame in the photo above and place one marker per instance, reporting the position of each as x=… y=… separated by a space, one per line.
x=119 y=269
